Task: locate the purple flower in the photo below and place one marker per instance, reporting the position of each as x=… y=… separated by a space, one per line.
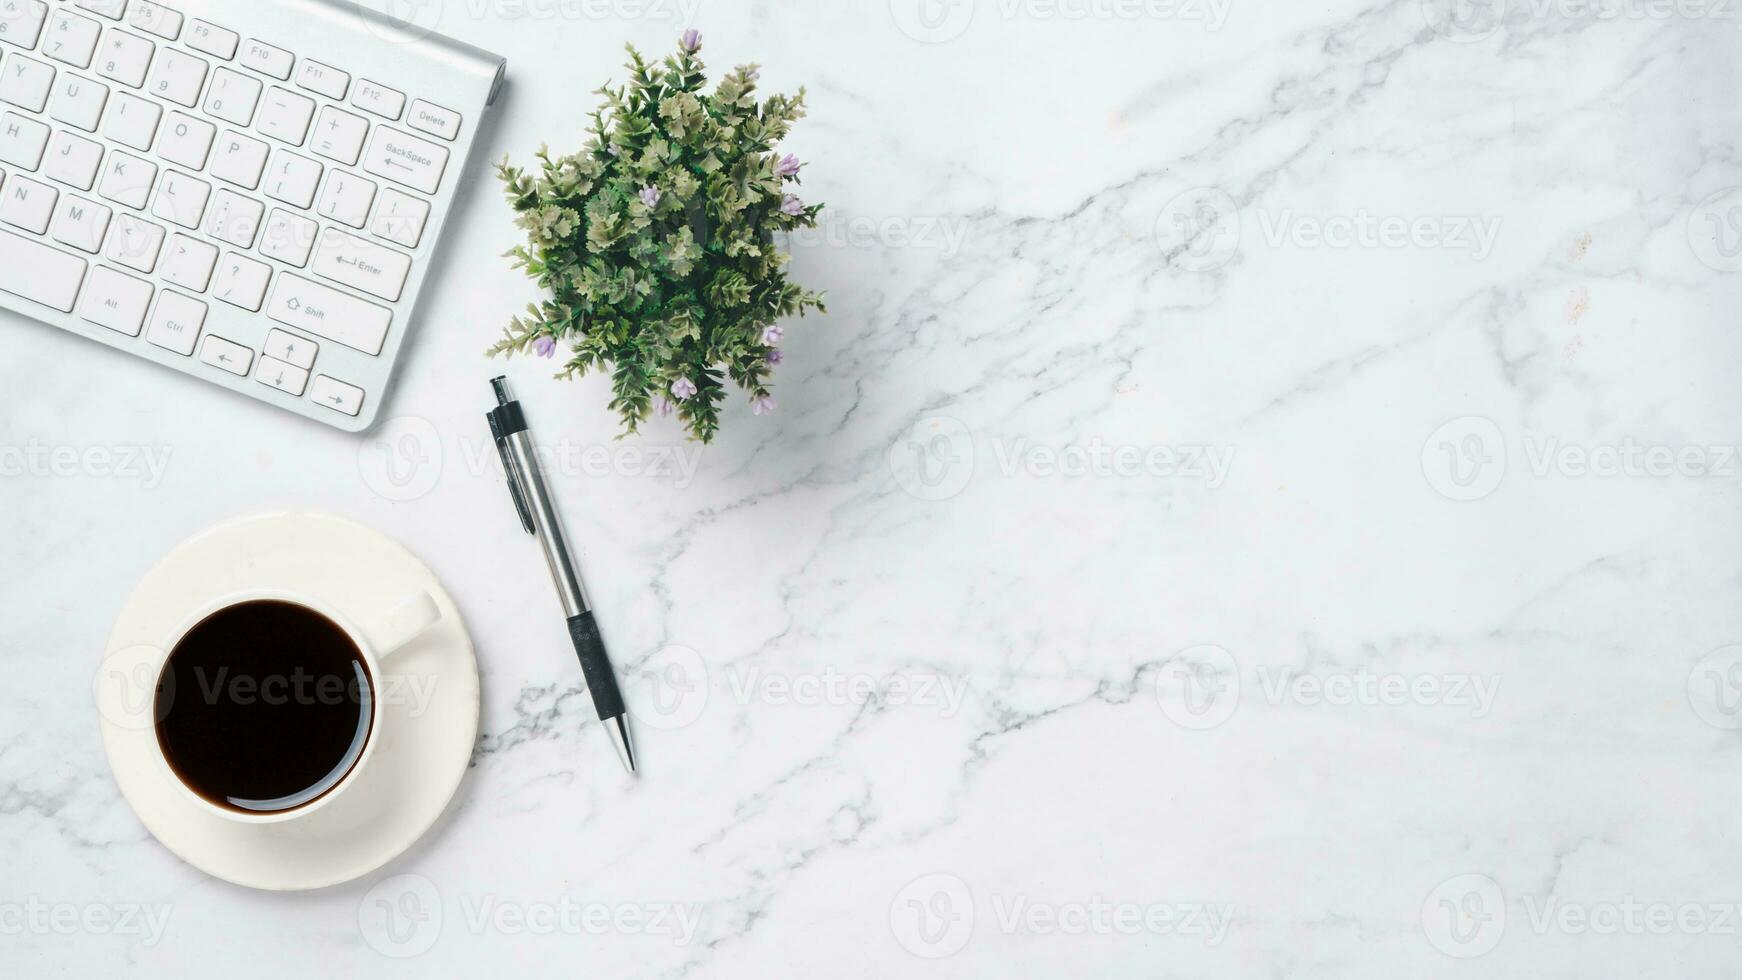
x=772 y=335
x=545 y=346
x=788 y=167
x=775 y=357
x=664 y=406
x=765 y=405
x=683 y=388
x=792 y=206
x=691 y=41
x=650 y=196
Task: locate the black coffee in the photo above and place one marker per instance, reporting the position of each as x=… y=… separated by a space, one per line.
x=264 y=706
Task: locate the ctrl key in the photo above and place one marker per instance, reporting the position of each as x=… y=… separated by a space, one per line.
x=337 y=395
x=176 y=323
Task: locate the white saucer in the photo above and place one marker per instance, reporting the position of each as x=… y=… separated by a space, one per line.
x=416 y=767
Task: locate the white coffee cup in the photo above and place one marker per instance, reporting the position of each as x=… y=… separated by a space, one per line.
x=134 y=701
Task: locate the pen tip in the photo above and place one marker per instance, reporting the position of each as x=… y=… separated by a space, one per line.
x=618 y=729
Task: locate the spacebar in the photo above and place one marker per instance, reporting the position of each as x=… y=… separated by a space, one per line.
x=38 y=273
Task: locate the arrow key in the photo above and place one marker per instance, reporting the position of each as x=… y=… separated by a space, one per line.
x=288 y=378
x=291 y=349
x=226 y=355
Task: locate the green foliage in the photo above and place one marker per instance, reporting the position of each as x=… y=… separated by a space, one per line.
x=674 y=287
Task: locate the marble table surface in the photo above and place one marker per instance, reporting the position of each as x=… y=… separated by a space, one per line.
x=1263 y=502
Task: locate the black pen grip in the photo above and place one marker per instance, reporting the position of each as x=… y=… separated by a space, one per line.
x=596 y=665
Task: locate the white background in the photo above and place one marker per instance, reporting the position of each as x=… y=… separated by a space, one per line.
x=1068 y=248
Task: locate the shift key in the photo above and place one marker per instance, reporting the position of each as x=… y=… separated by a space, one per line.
x=351 y=261
x=325 y=312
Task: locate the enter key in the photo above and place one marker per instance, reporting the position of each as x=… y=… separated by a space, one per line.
x=362 y=265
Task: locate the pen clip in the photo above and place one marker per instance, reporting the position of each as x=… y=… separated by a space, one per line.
x=515 y=489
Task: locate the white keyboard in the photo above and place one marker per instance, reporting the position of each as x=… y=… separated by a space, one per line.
x=249 y=191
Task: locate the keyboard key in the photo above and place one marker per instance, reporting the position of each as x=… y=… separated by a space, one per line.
x=240 y=160
x=337 y=395
x=21 y=21
x=134 y=243
x=242 y=282
x=430 y=118
x=116 y=301
x=213 y=40
x=339 y=135
x=189 y=263
x=286 y=115
x=288 y=238
x=27 y=204
x=26 y=83
x=125 y=58
x=275 y=373
x=291 y=349
x=73 y=161
x=80 y=223
x=176 y=76
x=132 y=121
x=405 y=159
x=176 y=323
x=325 y=312
x=187 y=141
x=293 y=180
x=40 y=273
x=347 y=198
x=22 y=141
x=400 y=219
x=323 y=80
x=235 y=219
x=376 y=98
x=127 y=180
x=267 y=60
x=362 y=265
x=78 y=102
x=104 y=8
x=155 y=18
x=71 y=39
x=182 y=199
x=226 y=355
x=233 y=96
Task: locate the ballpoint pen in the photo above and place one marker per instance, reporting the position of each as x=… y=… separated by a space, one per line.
x=538 y=516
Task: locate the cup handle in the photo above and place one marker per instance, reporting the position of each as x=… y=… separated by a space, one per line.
x=409 y=620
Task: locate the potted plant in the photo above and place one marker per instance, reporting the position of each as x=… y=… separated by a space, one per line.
x=657 y=243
